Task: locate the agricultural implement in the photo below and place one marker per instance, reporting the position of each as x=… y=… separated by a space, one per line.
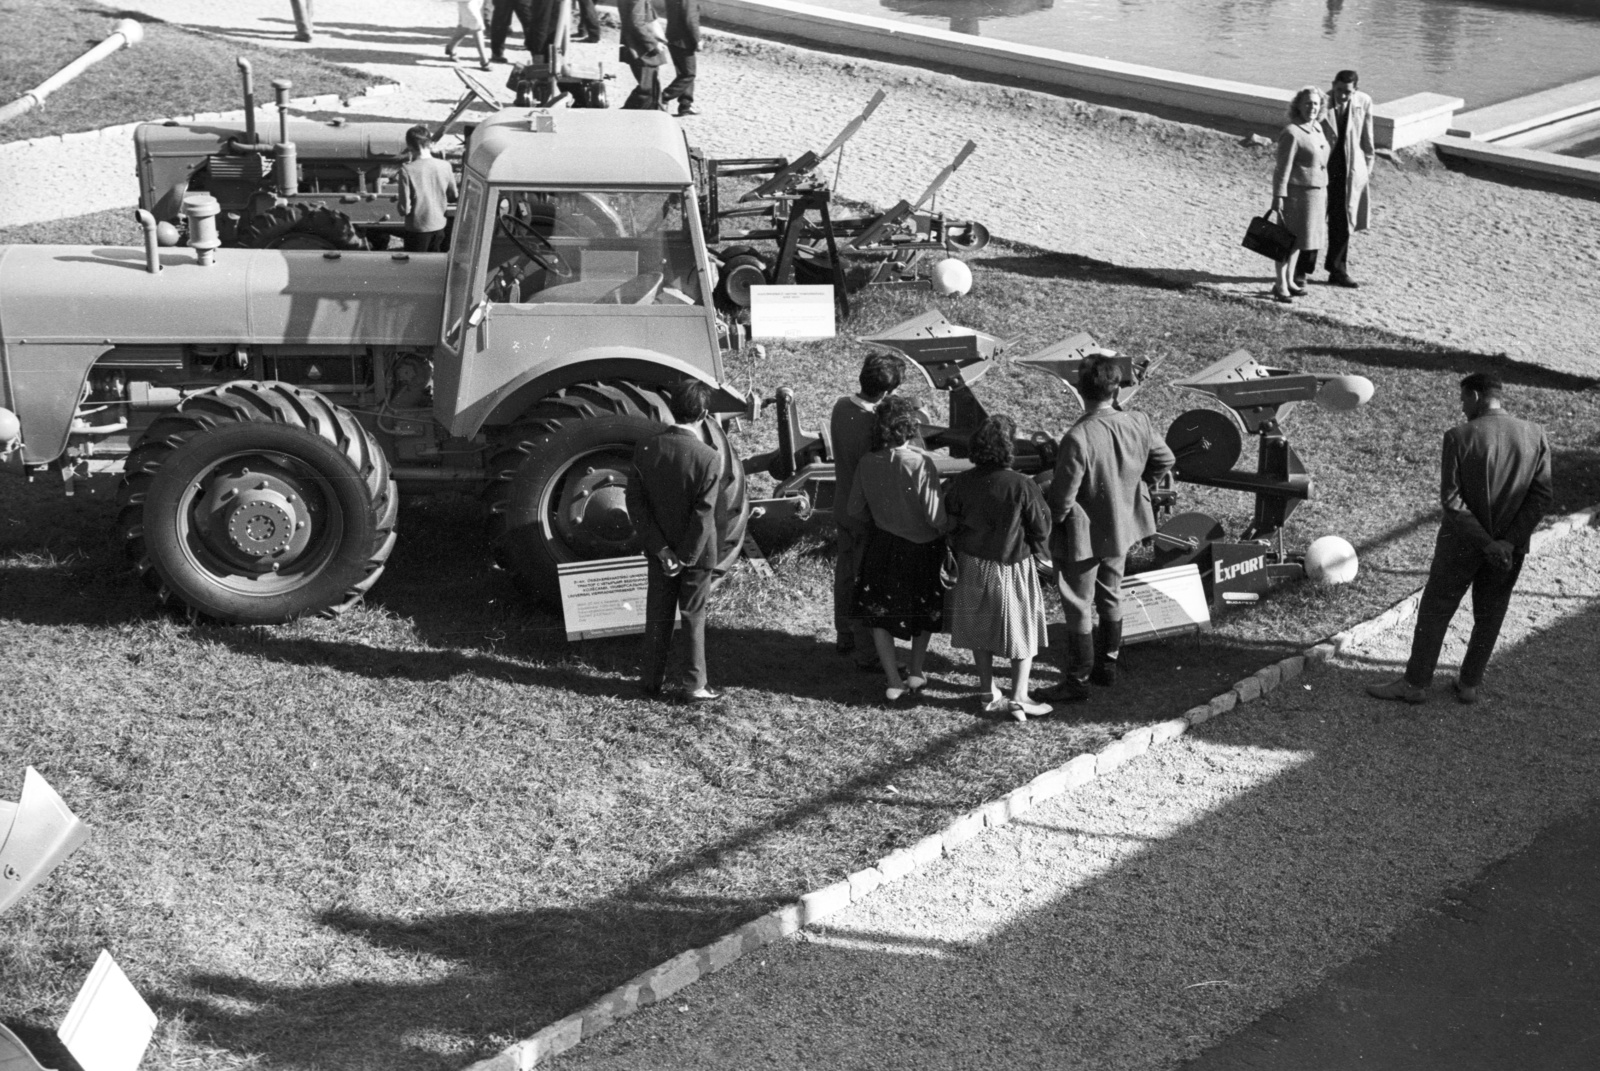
x=791 y=212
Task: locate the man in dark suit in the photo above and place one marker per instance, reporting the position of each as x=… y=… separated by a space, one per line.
x=683 y=44
x=673 y=499
x=851 y=432
x=1347 y=124
x=1100 y=501
x=1494 y=487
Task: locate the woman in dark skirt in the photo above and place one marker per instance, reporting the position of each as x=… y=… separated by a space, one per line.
x=896 y=499
x=1000 y=525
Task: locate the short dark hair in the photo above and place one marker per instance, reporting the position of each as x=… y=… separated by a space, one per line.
x=992 y=442
x=895 y=423
x=1099 y=378
x=880 y=374
x=418 y=138
x=1348 y=76
x=688 y=399
x=1484 y=383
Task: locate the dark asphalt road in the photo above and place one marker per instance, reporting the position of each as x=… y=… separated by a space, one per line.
x=1503 y=974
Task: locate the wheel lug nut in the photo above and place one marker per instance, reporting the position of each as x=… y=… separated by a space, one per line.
x=262 y=486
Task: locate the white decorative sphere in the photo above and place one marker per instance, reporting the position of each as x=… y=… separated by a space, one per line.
x=10 y=427
x=951 y=276
x=167 y=234
x=1331 y=560
x=1343 y=393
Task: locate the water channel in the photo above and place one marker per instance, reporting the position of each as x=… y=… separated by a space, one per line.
x=1484 y=51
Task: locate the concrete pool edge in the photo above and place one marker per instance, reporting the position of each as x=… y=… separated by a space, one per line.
x=1397 y=124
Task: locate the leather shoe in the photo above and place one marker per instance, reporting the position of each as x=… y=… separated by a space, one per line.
x=1466 y=694
x=1400 y=689
x=1341 y=279
x=1298 y=283
x=702 y=695
x=1068 y=690
x=1297 y=290
x=685 y=108
x=1281 y=296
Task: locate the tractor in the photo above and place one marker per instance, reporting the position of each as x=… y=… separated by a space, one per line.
x=265 y=409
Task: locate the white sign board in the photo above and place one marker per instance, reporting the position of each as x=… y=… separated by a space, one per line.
x=604 y=597
x=796 y=312
x=1163 y=602
x=109 y=1025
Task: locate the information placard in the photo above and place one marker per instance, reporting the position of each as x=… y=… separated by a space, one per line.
x=604 y=597
x=1163 y=602
x=794 y=312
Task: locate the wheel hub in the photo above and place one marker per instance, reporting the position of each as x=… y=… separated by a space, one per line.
x=257 y=519
x=592 y=517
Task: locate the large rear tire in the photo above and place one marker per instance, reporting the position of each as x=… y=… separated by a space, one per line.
x=558 y=480
x=299 y=226
x=256 y=503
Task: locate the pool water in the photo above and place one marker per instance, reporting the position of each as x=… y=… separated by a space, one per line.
x=1484 y=52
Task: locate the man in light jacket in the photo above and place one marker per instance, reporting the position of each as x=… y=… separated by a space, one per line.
x=1347 y=122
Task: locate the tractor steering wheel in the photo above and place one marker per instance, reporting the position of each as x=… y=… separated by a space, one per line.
x=549 y=258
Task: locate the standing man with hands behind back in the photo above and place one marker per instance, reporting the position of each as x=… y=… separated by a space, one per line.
x=1100 y=501
x=1494 y=486
x=672 y=499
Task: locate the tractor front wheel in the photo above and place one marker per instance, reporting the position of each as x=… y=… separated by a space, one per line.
x=256 y=503
x=558 y=484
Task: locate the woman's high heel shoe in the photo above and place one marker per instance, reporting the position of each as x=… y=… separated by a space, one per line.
x=1281 y=296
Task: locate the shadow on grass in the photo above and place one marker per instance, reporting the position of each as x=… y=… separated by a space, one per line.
x=1304 y=830
x=1515 y=373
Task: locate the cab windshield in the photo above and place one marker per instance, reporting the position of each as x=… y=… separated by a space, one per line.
x=617 y=247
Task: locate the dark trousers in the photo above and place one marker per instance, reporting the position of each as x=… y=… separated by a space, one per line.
x=1338 y=228
x=1090 y=589
x=500 y=23
x=846 y=564
x=683 y=69
x=588 y=19
x=425 y=241
x=1458 y=566
x=688 y=591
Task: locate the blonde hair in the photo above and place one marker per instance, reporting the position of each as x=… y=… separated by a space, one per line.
x=1305 y=93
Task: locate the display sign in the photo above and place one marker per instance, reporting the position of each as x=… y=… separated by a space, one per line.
x=603 y=597
x=794 y=312
x=109 y=1025
x=1163 y=602
x=1235 y=573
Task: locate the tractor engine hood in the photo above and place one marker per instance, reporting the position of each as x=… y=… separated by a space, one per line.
x=100 y=295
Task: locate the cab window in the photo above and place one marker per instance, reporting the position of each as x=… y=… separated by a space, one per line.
x=618 y=247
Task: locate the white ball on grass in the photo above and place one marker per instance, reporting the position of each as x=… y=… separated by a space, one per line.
x=1331 y=560
x=951 y=276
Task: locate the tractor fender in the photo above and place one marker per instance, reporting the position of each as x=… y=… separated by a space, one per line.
x=598 y=364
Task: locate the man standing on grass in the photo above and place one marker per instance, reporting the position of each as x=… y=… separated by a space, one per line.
x=851 y=429
x=672 y=498
x=1347 y=122
x=1494 y=486
x=1100 y=501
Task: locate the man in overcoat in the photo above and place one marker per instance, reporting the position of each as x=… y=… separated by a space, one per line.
x=1099 y=499
x=1347 y=122
x=1494 y=486
x=673 y=498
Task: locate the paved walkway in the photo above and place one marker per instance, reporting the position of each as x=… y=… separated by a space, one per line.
x=1462 y=261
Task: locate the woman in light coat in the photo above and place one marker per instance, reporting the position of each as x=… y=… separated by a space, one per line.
x=1300 y=186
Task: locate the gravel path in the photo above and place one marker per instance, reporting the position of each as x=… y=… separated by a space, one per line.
x=1470 y=263
x=1135 y=921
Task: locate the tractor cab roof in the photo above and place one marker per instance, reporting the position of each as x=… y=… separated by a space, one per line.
x=580 y=147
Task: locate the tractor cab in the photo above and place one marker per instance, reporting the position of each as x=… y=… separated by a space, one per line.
x=577 y=239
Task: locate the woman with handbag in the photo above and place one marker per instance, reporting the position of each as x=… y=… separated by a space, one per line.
x=1001 y=525
x=1300 y=186
x=896 y=496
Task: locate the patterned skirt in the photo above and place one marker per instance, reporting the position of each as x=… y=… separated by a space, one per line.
x=898 y=586
x=997 y=607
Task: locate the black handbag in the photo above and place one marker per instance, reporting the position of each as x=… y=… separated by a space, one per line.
x=1268 y=237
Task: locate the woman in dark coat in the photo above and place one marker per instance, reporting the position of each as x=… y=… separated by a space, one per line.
x=1300 y=185
x=1000 y=526
x=896 y=496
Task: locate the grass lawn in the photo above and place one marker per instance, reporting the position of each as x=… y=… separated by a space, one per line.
x=405 y=837
x=171 y=72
